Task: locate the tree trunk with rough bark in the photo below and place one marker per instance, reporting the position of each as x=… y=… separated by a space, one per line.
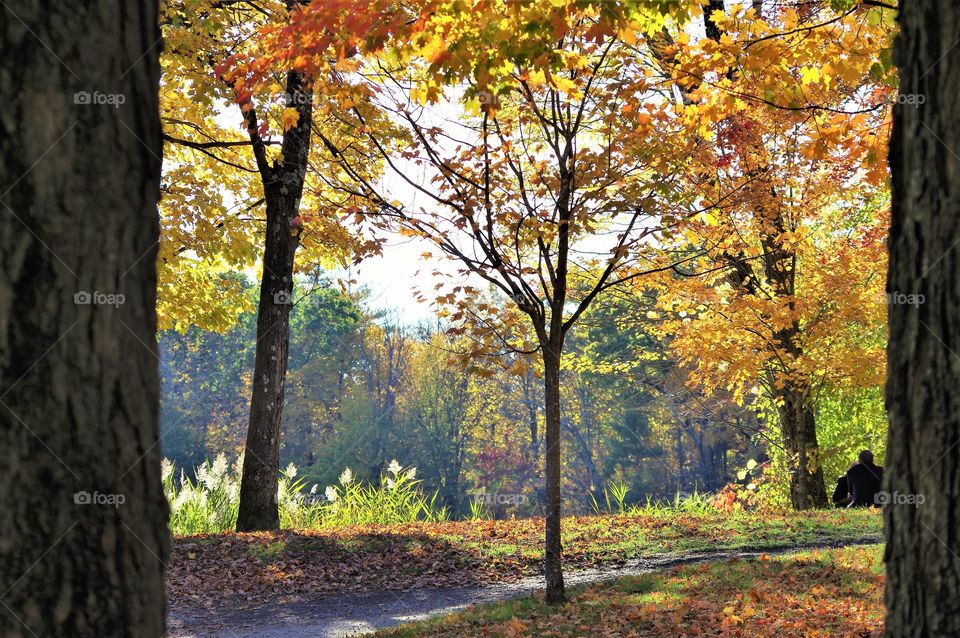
x=283 y=188
x=83 y=519
x=799 y=430
x=922 y=523
x=552 y=458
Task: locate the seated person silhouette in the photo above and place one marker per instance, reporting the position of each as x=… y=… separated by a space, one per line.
x=841 y=493
x=864 y=481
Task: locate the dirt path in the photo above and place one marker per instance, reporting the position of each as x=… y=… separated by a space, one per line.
x=355 y=614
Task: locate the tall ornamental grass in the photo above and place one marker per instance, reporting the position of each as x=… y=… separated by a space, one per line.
x=208 y=503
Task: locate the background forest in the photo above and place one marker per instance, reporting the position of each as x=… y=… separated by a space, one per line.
x=363 y=390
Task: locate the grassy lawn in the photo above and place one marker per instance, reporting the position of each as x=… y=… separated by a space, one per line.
x=288 y=564
x=814 y=593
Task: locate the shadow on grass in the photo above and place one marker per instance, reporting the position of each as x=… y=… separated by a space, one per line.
x=270 y=566
x=836 y=592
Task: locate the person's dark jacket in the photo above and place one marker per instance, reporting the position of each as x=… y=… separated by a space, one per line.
x=864 y=481
x=841 y=492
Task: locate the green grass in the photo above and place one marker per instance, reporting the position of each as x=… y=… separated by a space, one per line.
x=641 y=534
x=602 y=538
x=269 y=553
x=810 y=593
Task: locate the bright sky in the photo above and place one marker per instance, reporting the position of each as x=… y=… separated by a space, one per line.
x=391 y=278
x=393 y=275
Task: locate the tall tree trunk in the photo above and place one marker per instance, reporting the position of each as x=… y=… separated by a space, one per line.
x=923 y=369
x=83 y=534
x=798 y=427
x=553 y=550
x=283 y=188
x=551 y=334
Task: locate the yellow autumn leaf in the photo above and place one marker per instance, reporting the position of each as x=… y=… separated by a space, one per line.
x=809 y=75
x=289 y=118
x=516 y=627
x=566 y=85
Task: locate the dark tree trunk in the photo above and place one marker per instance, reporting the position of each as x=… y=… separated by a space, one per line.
x=83 y=534
x=283 y=188
x=553 y=550
x=923 y=369
x=798 y=426
x=551 y=332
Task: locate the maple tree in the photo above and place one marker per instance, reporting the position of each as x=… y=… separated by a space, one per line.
x=786 y=109
x=237 y=195
x=543 y=161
